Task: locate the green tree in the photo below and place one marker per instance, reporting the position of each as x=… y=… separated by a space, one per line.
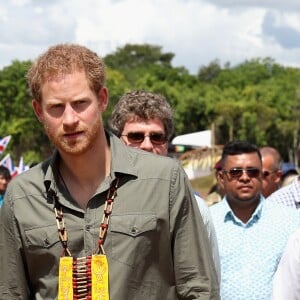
x=133 y=60
x=257 y=100
x=17 y=116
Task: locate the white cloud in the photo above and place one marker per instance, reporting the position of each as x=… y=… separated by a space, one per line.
x=20 y=2
x=196 y=31
x=287 y=5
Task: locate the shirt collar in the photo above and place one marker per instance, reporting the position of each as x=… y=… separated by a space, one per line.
x=122 y=162
x=122 y=156
x=230 y=216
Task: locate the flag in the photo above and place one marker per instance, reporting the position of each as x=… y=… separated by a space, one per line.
x=4 y=142
x=8 y=163
x=22 y=167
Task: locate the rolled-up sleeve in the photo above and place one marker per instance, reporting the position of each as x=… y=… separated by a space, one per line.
x=13 y=283
x=195 y=272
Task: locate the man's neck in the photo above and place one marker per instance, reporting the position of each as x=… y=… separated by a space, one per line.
x=83 y=174
x=244 y=211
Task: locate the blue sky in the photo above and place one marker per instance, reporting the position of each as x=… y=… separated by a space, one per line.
x=196 y=31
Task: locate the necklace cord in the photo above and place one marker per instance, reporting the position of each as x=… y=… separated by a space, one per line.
x=108 y=206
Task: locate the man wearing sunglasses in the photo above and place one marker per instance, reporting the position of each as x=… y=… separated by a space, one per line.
x=144 y=120
x=251 y=231
x=271 y=163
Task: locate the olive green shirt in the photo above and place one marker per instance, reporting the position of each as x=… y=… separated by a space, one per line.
x=156 y=245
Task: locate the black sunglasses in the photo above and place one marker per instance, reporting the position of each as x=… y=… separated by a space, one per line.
x=268 y=173
x=238 y=172
x=138 y=137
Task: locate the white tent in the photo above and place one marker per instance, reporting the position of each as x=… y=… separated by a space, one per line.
x=197 y=139
x=199 y=162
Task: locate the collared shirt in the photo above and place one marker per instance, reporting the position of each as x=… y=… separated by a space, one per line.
x=157 y=246
x=1 y=199
x=287 y=277
x=288 y=195
x=250 y=252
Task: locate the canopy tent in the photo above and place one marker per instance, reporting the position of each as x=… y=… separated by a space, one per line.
x=200 y=161
x=196 y=139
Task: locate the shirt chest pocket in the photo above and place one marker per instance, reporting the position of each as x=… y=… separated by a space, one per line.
x=42 y=251
x=42 y=238
x=133 y=237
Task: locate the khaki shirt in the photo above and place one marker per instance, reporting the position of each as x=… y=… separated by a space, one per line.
x=157 y=246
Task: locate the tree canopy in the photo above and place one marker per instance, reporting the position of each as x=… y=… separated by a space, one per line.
x=257 y=100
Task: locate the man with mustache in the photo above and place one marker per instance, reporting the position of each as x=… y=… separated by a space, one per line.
x=97 y=220
x=251 y=231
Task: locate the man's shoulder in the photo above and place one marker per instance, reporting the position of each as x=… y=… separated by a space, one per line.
x=219 y=209
x=286 y=190
x=136 y=157
x=218 y=206
x=291 y=190
x=150 y=159
x=282 y=212
x=34 y=175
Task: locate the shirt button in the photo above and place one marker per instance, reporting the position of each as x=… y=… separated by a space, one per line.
x=88 y=227
x=134 y=229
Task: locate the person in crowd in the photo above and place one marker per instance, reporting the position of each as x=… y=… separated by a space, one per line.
x=251 y=231
x=287 y=276
x=144 y=120
x=5 y=178
x=271 y=167
x=216 y=192
x=288 y=195
x=289 y=172
x=98 y=219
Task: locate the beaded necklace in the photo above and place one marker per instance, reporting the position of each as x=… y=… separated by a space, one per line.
x=84 y=278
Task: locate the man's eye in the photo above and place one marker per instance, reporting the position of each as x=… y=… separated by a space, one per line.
x=80 y=103
x=56 y=105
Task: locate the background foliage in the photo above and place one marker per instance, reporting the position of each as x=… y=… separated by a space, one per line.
x=257 y=100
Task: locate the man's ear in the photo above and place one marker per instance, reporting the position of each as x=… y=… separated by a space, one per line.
x=221 y=182
x=103 y=99
x=279 y=175
x=38 y=110
x=220 y=176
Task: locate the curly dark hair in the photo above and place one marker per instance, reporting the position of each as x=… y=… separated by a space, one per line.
x=141 y=105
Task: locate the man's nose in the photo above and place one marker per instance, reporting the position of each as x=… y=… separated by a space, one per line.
x=70 y=115
x=245 y=175
x=147 y=144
